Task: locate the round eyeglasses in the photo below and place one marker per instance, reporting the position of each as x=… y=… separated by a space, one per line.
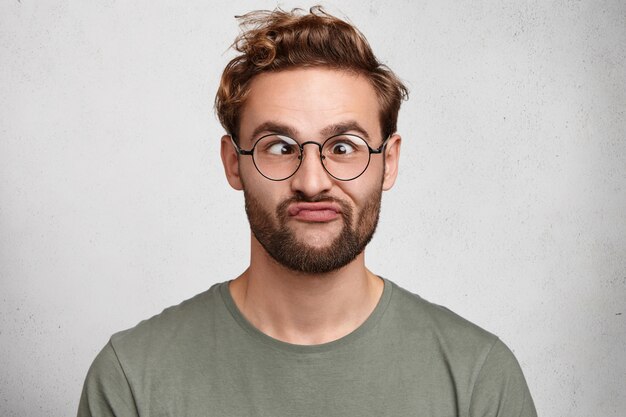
x=277 y=157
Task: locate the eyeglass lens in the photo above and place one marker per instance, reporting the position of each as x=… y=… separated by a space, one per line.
x=278 y=157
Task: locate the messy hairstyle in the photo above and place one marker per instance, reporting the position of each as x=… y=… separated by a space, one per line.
x=272 y=41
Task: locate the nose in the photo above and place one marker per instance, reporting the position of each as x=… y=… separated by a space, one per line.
x=311 y=179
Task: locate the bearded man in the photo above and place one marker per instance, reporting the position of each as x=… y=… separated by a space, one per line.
x=307 y=330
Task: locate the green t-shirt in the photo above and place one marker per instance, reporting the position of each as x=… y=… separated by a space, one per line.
x=203 y=358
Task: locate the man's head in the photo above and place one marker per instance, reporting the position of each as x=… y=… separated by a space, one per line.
x=301 y=80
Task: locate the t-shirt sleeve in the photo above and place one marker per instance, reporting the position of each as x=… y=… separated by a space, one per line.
x=106 y=392
x=500 y=389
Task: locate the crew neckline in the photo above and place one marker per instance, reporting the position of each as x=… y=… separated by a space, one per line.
x=357 y=333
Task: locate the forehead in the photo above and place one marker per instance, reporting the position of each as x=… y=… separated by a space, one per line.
x=309 y=100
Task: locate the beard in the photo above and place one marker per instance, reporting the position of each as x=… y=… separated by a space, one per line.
x=284 y=247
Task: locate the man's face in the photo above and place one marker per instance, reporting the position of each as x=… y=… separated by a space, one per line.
x=311 y=222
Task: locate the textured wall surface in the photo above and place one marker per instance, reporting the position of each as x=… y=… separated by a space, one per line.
x=510 y=208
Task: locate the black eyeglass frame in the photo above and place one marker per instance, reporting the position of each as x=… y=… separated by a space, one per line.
x=250 y=152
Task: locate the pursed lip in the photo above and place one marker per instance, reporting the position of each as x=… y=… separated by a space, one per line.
x=298 y=208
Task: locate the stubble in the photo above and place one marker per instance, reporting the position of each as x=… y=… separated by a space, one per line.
x=280 y=242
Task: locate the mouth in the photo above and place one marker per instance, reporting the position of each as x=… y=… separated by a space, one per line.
x=314 y=212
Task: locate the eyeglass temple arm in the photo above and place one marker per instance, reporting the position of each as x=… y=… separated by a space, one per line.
x=381 y=147
x=238 y=149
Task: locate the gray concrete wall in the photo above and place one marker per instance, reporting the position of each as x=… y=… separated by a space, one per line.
x=510 y=208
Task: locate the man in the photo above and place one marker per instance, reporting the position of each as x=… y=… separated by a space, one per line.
x=307 y=329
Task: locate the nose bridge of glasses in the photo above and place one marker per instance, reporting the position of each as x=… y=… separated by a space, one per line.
x=312 y=174
x=311 y=142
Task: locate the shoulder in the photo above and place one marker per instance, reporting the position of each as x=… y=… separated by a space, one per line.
x=485 y=371
x=418 y=315
x=154 y=350
x=427 y=328
x=172 y=328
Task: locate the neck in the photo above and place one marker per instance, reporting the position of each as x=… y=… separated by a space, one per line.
x=305 y=309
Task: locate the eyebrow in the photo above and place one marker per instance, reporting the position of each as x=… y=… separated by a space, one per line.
x=328 y=131
x=274 y=127
x=344 y=127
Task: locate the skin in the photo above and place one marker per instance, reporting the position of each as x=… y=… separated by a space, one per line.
x=290 y=306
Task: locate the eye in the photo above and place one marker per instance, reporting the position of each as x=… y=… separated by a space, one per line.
x=280 y=148
x=342 y=148
x=278 y=145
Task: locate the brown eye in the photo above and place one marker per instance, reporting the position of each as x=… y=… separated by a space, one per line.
x=281 y=148
x=342 y=148
x=277 y=145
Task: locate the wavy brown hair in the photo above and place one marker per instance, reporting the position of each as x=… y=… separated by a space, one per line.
x=276 y=40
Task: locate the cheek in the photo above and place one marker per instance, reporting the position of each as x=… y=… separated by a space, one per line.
x=247 y=170
x=251 y=179
x=364 y=193
x=267 y=194
x=376 y=167
x=368 y=184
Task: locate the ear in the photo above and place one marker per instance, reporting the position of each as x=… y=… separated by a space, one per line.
x=230 y=160
x=392 y=156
